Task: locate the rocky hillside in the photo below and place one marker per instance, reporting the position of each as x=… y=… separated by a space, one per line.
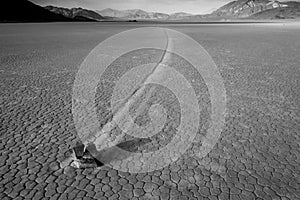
x=291 y=12
x=76 y=13
x=246 y=8
x=25 y=11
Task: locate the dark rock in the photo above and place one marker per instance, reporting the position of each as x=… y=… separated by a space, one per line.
x=84 y=156
x=79 y=150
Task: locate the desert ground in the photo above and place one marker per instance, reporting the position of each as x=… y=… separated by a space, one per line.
x=257 y=155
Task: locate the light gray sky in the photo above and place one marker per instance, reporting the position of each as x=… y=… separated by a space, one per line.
x=165 y=6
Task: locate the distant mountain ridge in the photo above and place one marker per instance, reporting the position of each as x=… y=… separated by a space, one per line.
x=180 y=15
x=76 y=13
x=141 y=14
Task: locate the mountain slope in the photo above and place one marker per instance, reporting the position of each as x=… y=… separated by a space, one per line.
x=25 y=11
x=246 y=8
x=76 y=13
x=279 y=13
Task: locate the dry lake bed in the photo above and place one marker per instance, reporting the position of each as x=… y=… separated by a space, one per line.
x=257 y=155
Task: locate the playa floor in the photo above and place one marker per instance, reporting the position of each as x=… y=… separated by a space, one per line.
x=257 y=155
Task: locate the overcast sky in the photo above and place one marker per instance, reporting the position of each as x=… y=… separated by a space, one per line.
x=165 y=6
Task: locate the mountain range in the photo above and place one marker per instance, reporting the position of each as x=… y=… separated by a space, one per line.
x=256 y=9
x=141 y=14
x=132 y=14
x=25 y=11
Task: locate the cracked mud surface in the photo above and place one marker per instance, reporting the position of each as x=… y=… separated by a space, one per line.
x=256 y=157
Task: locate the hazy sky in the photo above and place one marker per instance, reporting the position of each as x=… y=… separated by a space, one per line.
x=166 y=6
